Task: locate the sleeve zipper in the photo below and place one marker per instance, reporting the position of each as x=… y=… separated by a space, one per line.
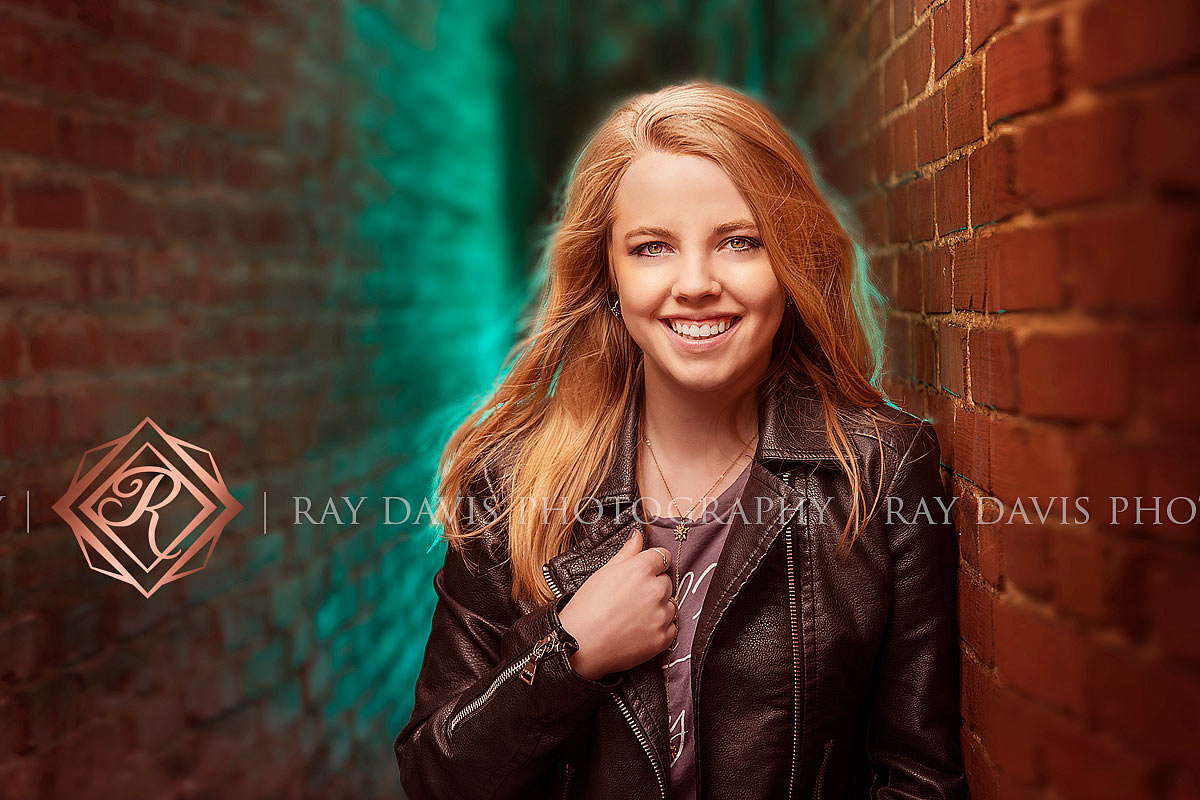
x=548 y=644
x=526 y=665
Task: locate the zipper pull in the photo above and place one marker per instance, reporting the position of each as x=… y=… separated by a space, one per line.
x=549 y=643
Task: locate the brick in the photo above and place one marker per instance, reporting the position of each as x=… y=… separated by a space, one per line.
x=38 y=58
x=27 y=129
x=159 y=28
x=879 y=35
x=263 y=115
x=107 y=145
x=1167 y=349
x=937 y=284
x=972 y=446
x=1004 y=720
x=931 y=128
x=1099 y=251
x=981 y=540
x=64 y=342
x=1173 y=595
x=975 y=612
x=910 y=280
x=20 y=644
x=918 y=59
x=949 y=36
x=119 y=212
x=47 y=204
x=1160 y=717
x=1081 y=765
x=1032 y=461
x=951 y=359
x=964 y=106
x=118 y=81
x=1024 y=269
x=1121 y=41
x=1087 y=573
x=921 y=209
x=220 y=44
x=952 y=197
x=190 y=102
x=898 y=214
x=987 y=17
x=992 y=366
x=10 y=351
x=1167 y=136
x=994 y=194
x=902 y=16
x=924 y=354
x=1022 y=70
x=1027 y=558
x=970 y=276
x=136 y=345
x=893 y=79
x=1039 y=656
x=884 y=153
x=904 y=140
x=1076 y=157
x=1173 y=472
x=873 y=208
x=898 y=349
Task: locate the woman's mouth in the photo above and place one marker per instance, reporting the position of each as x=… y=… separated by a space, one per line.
x=696 y=335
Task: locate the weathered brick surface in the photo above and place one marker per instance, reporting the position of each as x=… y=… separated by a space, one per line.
x=1043 y=315
x=251 y=222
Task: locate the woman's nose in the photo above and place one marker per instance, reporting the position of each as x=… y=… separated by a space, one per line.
x=695 y=278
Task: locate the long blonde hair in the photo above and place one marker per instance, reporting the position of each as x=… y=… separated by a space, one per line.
x=559 y=407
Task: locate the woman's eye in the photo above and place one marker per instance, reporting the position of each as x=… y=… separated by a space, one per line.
x=746 y=243
x=644 y=249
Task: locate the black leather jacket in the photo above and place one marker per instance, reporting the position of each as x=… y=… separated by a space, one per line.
x=812 y=676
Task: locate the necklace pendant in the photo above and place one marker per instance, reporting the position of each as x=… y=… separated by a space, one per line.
x=673 y=751
x=681 y=532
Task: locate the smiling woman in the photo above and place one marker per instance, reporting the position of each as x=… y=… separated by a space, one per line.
x=695 y=279
x=706 y=334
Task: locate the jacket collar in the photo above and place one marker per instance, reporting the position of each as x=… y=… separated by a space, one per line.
x=789 y=429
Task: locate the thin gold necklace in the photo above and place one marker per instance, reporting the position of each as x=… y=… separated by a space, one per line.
x=681 y=531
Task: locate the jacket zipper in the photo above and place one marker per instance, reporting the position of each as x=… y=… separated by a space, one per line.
x=526 y=665
x=567 y=769
x=625 y=712
x=821 y=772
x=791 y=573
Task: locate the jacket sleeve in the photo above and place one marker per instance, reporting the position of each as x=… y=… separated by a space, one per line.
x=496 y=694
x=913 y=740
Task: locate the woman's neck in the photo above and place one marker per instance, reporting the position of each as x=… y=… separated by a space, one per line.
x=695 y=436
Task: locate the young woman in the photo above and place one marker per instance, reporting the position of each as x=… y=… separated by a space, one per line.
x=604 y=629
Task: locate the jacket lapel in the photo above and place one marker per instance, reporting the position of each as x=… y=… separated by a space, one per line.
x=788 y=430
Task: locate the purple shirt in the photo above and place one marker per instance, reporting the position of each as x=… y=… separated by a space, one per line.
x=705 y=539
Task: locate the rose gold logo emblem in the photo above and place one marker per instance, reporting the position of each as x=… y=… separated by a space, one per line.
x=147 y=508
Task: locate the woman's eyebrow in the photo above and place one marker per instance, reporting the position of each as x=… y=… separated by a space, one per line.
x=724 y=227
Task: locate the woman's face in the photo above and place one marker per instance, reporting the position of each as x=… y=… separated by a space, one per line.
x=697 y=291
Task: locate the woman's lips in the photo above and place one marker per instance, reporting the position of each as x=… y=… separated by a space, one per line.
x=700 y=345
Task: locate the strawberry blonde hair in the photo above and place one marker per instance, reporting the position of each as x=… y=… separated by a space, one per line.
x=558 y=410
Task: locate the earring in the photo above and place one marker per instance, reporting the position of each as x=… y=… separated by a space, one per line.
x=615 y=308
x=788 y=303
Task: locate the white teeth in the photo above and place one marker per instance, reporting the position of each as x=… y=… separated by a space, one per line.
x=703 y=330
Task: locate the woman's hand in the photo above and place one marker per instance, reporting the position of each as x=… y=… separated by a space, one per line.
x=623 y=613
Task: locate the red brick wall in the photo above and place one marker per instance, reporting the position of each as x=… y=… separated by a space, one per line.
x=1029 y=174
x=159 y=255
